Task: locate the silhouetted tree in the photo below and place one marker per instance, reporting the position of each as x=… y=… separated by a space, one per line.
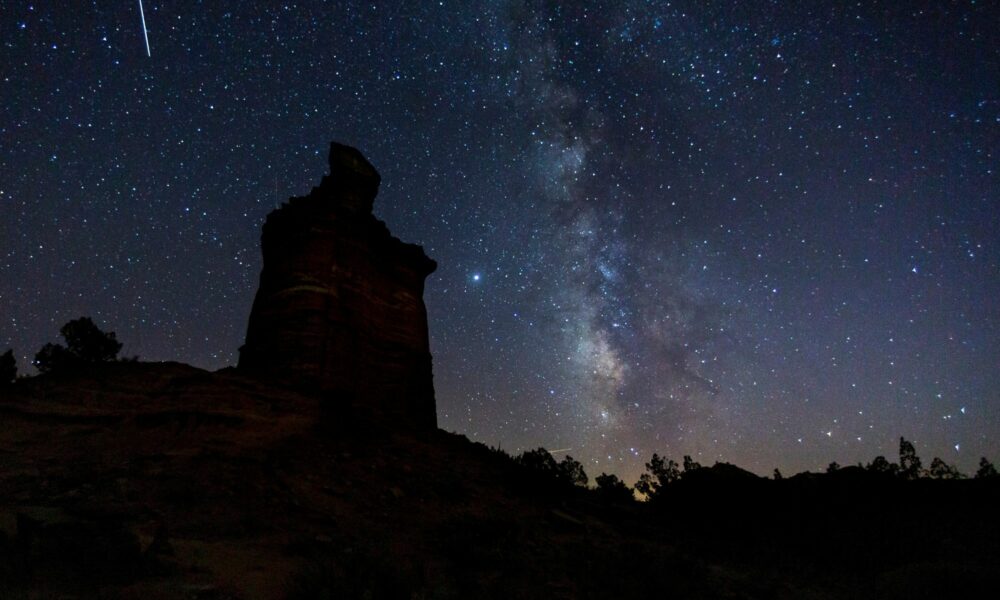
x=910 y=466
x=659 y=474
x=539 y=461
x=881 y=465
x=690 y=464
x=646 y=485
x=571 y=471
x=8 y=368
x=54 y=357
x=942 y=470
x=613 y=489
x=833 y=467
x=86 y=344
x=777 y=475
x=986 y=469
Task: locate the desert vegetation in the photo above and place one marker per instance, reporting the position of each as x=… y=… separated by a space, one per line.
x=662 y=475
x=85 y=345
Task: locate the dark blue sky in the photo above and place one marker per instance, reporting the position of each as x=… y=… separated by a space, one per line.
x=765 y=233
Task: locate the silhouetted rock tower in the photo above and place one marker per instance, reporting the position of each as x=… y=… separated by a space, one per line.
x=340 y=306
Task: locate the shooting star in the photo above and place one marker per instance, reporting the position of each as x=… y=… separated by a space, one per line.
x=145 y=34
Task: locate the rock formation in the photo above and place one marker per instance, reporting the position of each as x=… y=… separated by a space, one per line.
x=340 y=306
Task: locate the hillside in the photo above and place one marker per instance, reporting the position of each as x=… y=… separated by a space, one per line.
x=166 y=481
x=161 y=480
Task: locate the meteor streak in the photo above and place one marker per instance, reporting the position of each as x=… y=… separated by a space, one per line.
x=145 y=34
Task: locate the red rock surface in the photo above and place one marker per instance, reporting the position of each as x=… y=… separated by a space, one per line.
x=340 y=306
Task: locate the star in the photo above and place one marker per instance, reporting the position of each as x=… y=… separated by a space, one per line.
x=700 y=245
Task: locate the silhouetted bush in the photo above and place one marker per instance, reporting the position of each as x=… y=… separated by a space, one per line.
x=910 y=466
x=986 y=469
x=777 y=475
x=541 y=463
x=54 y=358
x=8 y=368
x=613 y=489
x=538 y=460
x=881 y=465
x=833 y=467
x=85 y=345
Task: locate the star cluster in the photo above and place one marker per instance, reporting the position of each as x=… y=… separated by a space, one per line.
x=764 y=233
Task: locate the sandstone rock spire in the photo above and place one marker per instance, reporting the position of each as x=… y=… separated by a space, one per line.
x=340 y=305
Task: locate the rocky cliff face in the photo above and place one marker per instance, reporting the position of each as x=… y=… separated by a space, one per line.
x=340 y=306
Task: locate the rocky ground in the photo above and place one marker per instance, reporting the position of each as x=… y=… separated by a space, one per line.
x=165 y=481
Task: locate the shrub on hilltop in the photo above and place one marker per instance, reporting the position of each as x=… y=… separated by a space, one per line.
x=543 y=466
x=85 y=345
x=612 y=489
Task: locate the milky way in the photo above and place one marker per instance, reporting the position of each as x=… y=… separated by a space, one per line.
x=764 y=234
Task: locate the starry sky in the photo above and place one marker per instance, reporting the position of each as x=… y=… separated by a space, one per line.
x=766 y=233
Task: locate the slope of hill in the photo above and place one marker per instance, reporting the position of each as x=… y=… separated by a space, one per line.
x=162 y=480
x=165 y=481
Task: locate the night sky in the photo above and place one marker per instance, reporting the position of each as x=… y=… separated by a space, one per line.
x=762 y=233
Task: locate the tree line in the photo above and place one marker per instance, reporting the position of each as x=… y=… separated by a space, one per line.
x=85 y=345
x=662 y=474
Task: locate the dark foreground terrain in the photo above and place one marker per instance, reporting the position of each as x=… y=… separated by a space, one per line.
x=164 y=481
